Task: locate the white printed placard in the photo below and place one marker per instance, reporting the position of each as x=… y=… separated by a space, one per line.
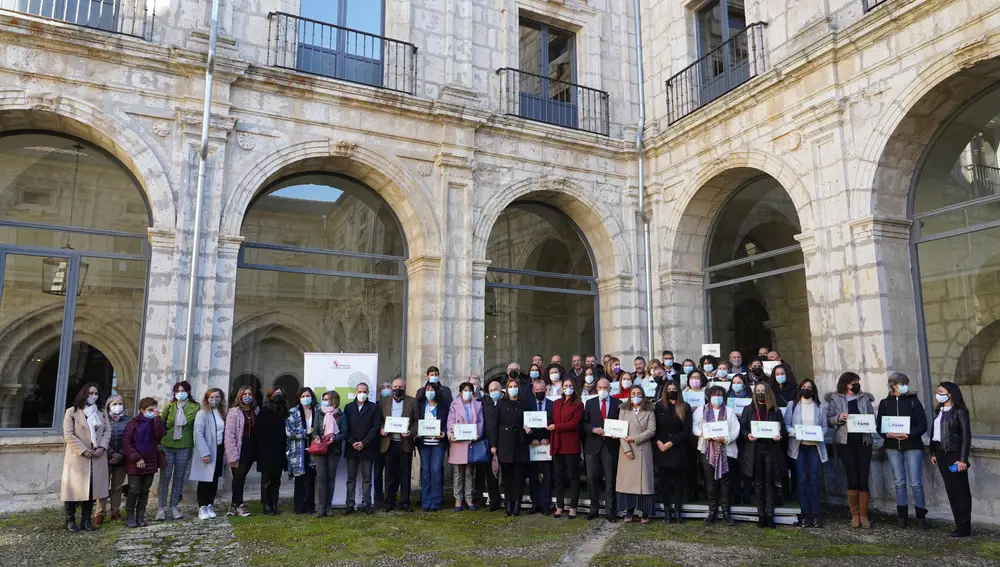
x=616 y=387
x=711 y=350
x=536 y=419
x=769 y=366
x=738 y=404
x=429 y=427
x=861 y=423
x=466 y=432
x=649 y=387
x=540 y=453
x=896 y=424
x=765 y=429
x=809 y=433
x=722 y=384
x=715 y=430
x=396 y=424
x=617 y=428
x=695 y=399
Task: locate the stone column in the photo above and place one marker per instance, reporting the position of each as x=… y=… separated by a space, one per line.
x=683 y=312
x=616 y=320
x=163 y=338
x=458 y=47
x=456 y=194
x=424 y=318
x=224 y=312
x=477 y=317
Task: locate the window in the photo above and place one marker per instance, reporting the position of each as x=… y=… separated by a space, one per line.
x=956 y=211
x=342 y=39
x=722 y=47
x=547 y=61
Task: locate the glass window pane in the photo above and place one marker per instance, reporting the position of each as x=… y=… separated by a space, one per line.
x=960 y=219
x=960 y=286
x=538 y=281
x=322 y=262
x=280 y=316
x=757 y=267
x=531 y=236
x=31 y=324
x=709 y=28
x=761 y=217
x=45 y=238
x=323 y=10
x=364 y=15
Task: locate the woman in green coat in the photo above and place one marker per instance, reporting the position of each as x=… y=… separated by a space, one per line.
x=178 y=446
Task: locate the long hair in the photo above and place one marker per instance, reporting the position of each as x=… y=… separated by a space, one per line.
x=80 y=401
x=298 y=397
x=789 y=378
x=576 y=395
x=680 y=407
x=269 y=402
x=957 y=399
x=222 y=401
x=845 y=380
x=645 y=402
x=238 y=398
x=769 y=403
x=609 y=368
x=798 y=398
x=557 y=366
x=515 y=382
x=436 y=386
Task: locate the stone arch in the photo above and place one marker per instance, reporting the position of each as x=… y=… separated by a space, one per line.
x=409 y=200
x=602 y=229
x=62 y=114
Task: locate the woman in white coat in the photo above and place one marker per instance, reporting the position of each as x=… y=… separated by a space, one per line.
x=716 y=449
x=85 y=465
x=206 y=466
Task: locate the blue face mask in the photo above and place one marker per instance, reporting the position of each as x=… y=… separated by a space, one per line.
x=737 y=363
x=688 y=369
x=431 y=394
x=533 y=374
x=495 y=395
x=434 y=379
x=512 y=392
x=324 y=403
x=150 y=414
x=738 y=388
x=717 y=401
x=780 y=379
x=637 y=400
x=181 y=396
x=306 y=401
x=904 y=388
x=709 y=367
x=386 y=392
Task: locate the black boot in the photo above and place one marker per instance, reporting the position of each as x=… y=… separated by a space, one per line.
x=71 y=517
x=87 y=524
x=729 y=517
x=770 y=522
x=901 y=513
x=713 y=515
x=921 y=514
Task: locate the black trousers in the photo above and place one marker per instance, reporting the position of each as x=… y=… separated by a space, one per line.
x=138 y=494
x=603 y=464
x=208 y=490
x=239 y=482
x=365 y=467
x=270 y=484
x=740 y=484
x=485 y=482
x=857 y=460
x=379 y=476
x=567 y=471
x=513 y=485
x=764 y=481
x=672 y=486
x=717 y=490
x=956 y=484
x=540 y=484
x=304 y=497
x=326 y=476
x=398 y=468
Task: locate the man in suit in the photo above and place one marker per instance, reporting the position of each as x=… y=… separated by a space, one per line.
x=384 y=391
x=363 y=425
x=539 y=472
x=494 y=395
x=600 y=452
x=397 y=448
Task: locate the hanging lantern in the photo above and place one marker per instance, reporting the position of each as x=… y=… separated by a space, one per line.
x=55 y=275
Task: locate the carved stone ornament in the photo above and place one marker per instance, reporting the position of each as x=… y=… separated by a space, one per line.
x=425 y=168
x=788 y=142
x=343 y=149
x=161 y=128
x=246 y=140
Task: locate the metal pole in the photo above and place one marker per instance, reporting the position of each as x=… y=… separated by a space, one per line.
x=206 y=118
x=647 y=255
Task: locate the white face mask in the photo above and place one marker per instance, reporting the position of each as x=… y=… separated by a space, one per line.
x=362 y=397
x=604 y=394
x=941 y=398
x=117 y=409
x=91 y=400
x=554 y=377
x=589 y=378
x=626 y=384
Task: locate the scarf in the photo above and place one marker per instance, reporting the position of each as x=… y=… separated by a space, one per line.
x=180 y=420
x=717 y=449
x=330 y=416
x=93 y=422
x=144 y=442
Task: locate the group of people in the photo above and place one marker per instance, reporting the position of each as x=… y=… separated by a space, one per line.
x=663 y=432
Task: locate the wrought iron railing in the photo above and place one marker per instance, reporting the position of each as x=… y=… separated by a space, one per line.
x=127 y=17
x=543 y=99
x=326 y=49
x=985 y=179
x=870 y=5
x=721 y=70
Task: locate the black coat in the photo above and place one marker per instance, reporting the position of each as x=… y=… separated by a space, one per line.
x=900 y=406
x=269 y=439
x=956 y=433
x=512 y=441
x=490 y=415
x=747 y=453
x=532 y=405
x=786 y=394
x=362 y=425
x=592 y=418
x=670 y=428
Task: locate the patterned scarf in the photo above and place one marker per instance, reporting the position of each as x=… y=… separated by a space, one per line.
x=716 y=449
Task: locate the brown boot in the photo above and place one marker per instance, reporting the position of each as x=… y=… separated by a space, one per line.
x=98 y=519
x=853 y=501
x=863 y=504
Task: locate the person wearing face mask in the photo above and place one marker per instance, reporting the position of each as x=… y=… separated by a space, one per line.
x=634 y=483
x=491 y=413
x=786 y=390
x=707 y=364
x=762 y=353
x=716 y=452
x=600 y=452
x=736 y=365
x=756 y=374
x=762 y=457
x=722 y=373
x=687 y=367
x=672 y=454
x=656 y=377
x=951 y=440
x=696 y=382
x=809 y=455
x=445 y=396
x=85 y=464
x=613 y=368
x=139 y=442
x=241 y=445
x=589 y=379
x=364 y=422
x=854 y=449
x=303 y=424
x=905 y=451
x=670 y=363
x=385 y=391
x=539 y=472
x=625 y=384
x=466 y=410
x=534 y=373
x=555 y=373
x=567 y=413
x=740 y=484
x=511 y=448
x=118 y=419
x=177 y=448
x=334 y=432
x=209 y=438
x=397 y=448
x=271 y=441
x=432 y=449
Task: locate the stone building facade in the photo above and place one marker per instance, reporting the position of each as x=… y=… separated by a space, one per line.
x=455 y=183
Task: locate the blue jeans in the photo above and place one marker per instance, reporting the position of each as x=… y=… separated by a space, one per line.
x=909 y=463
x=807 y=467
x=431 y=476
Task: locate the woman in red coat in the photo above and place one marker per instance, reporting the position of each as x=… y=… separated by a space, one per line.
x=567 y=413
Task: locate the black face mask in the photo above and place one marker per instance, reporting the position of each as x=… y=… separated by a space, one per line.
x=673 y=395
x=399 y=393
x=757 y=371
x=807 y=394
x=762 y=358
x=278 y=398
x=855 y=389
x=539 y=396
x=761 y=398
x=513 y=374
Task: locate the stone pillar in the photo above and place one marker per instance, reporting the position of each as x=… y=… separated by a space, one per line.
x=616 y=321
x=477 y=317
x=224 y=312
x=456 y=194
x=683 y=312
x=458 y=45
x=163 y=338
x=424 y=318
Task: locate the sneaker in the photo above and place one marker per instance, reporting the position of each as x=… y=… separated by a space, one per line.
x=211 y=511
x=203 y=513
x=176 y=513
x=161 y=514
x=243 y=511
x=232 y=510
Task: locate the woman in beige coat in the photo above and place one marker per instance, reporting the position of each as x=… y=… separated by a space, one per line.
x=85 y=466
x=635 y=458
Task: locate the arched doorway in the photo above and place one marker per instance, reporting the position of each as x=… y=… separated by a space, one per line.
x=755 y=275
x=321 y=270
x=73 y=263
x=541 y=288
x=289 y=385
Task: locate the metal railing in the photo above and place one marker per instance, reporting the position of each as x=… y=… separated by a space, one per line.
x=342 y=53
x=127 y=17
x=718 y=72
x=985 y=179
x=552 y=101
x=870 y=5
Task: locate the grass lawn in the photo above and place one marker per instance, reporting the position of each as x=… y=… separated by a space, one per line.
x=40 y=538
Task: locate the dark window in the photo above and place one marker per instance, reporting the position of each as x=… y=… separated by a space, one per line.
x=547 y=61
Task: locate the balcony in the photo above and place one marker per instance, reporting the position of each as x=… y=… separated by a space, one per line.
x=870 y=5
x=342 y=53
x=127 y=17
x=718 y=72
x=543 y=99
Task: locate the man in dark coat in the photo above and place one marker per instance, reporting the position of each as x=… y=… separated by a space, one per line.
x=491 y=405
x=364 y=422
x=600 y=452
x=539 y=472
x=269 y=438
x=397 y=448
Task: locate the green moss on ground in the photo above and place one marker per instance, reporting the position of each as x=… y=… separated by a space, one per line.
x=40 y=538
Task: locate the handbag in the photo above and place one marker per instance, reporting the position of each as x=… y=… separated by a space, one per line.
x=319 y=446
x=479 y=452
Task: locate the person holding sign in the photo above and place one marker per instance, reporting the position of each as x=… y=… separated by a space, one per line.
x=786 y=390
x=717 y=430
x=539 y=471
x=465 y=413
x=740 y=396
x=396 y=446
x=901 y=421
x=805 y=421
x=672 y=454
x=432 y=449
x=601 y=452
x=951 y=440
x=564 y=433
x=762 y=458
x=635 y=459
x=511 y=448
x=854 y=443
x=694 y=394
